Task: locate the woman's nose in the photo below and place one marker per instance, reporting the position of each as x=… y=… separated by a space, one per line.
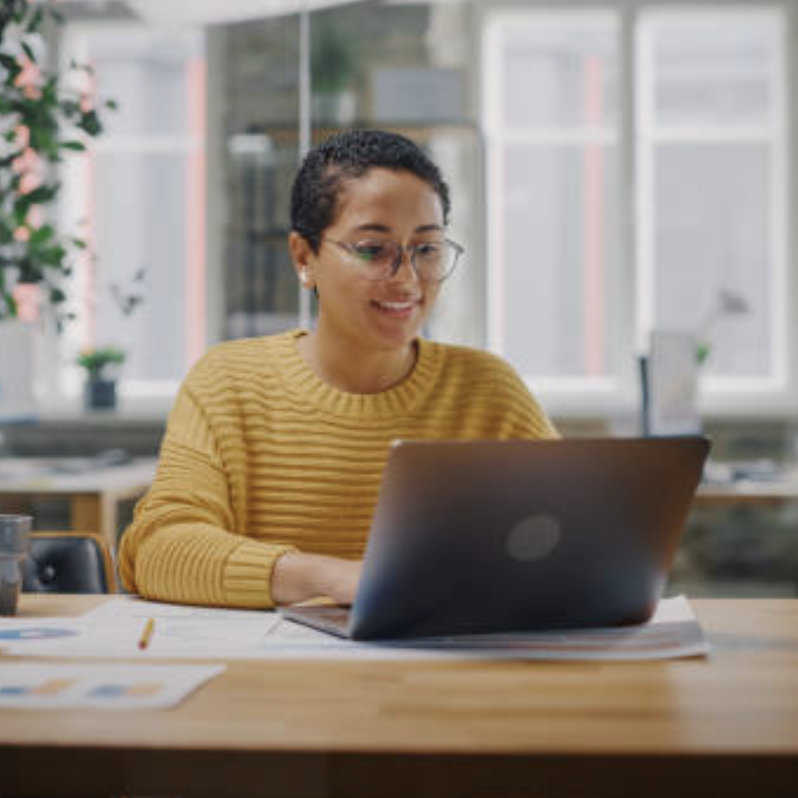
x=404 y=258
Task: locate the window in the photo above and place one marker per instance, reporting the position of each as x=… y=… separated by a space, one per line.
x=712 y=189
x=140 y=199
x=552 y=122
x=637 y=180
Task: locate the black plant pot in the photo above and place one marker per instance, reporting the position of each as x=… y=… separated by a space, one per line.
x=100 y=394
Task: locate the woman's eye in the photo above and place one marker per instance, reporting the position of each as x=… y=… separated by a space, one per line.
x=370 y=251
x=428 y=250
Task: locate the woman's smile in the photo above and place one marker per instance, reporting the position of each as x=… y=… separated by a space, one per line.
x=398 y=309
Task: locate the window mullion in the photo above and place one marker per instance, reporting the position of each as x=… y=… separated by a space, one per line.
x=628 y=195
x=642 y=194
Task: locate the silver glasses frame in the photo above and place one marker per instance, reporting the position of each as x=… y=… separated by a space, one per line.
x=411 y=249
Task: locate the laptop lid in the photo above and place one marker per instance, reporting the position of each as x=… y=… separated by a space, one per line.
x=496 y=536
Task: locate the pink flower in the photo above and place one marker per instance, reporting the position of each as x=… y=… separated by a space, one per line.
x=29 y=78
x=29 y=182
x=28 y=165
x=26 y=162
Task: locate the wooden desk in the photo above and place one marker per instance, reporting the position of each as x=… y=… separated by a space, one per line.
x=723 y=726
x=93 y=492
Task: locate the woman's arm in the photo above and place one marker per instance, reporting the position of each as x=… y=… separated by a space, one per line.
x=184 y=543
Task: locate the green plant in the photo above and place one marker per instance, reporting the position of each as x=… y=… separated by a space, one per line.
x=726 y=303
x=333 y=58
x=128 y=298
x=95 y=361
x=41 y=118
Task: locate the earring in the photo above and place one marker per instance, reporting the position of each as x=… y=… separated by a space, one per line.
x=303 y=276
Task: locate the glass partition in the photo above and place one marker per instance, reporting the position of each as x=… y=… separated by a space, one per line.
x=402 y=67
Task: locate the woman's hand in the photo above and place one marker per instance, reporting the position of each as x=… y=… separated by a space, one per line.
x=299 y=577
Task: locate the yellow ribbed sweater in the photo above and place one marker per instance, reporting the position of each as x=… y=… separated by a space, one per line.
x=261 y=457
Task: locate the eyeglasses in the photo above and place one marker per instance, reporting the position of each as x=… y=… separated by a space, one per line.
x=433 y=261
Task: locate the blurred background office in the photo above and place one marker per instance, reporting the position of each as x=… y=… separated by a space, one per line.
x=620 y=170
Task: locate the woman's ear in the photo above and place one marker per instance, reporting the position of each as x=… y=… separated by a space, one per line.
x=302 y=257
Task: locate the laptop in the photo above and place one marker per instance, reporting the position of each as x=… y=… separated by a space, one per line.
x=474 y=537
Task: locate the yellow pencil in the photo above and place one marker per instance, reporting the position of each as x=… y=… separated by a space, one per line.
x=146 y=635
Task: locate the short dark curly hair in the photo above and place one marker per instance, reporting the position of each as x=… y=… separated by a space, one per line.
x=347 y=155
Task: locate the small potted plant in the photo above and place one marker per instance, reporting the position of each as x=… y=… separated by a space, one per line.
x=333 y=67
x=101 y=376
x=100 y=388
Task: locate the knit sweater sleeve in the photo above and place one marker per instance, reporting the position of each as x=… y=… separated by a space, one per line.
x=497 y=396
x=182 y=545
x=528 y=419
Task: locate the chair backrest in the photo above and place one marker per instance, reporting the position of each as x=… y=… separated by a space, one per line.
x=68 y=562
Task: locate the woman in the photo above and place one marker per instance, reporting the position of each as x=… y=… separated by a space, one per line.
x=275 y=447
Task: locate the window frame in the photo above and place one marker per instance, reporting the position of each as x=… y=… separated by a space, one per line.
x=564 y=395
x=150 y=395
x=718 y=396
x=718 y=388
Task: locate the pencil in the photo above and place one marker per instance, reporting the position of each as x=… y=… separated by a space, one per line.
x=146 y=635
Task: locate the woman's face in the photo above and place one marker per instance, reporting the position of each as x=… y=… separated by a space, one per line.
x=388 y=314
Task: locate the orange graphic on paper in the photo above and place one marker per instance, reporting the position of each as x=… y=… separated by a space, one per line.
x=52 y=686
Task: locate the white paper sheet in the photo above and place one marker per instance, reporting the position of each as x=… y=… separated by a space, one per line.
x=133 y=608
x=42 y=686
x=674 y=631
x=114 y=630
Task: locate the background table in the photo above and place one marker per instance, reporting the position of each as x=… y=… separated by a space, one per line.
x=92 y=490
x=726 y=725
x=749 y=492
x=774 y=487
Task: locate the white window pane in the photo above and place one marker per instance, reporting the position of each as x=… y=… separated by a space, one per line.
x=556 y=74
x=713 y=242
x=713 y=70
x=561 y=266
x=147 y=77
x=713 y=195
x=140 y=224
x=554 y=223
x=139 y=202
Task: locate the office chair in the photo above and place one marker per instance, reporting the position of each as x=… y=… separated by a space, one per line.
x=68 y=562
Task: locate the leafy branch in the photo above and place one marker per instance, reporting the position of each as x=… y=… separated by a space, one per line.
x=43 y=115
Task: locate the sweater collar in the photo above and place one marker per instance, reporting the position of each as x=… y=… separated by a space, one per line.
x=400 y=399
